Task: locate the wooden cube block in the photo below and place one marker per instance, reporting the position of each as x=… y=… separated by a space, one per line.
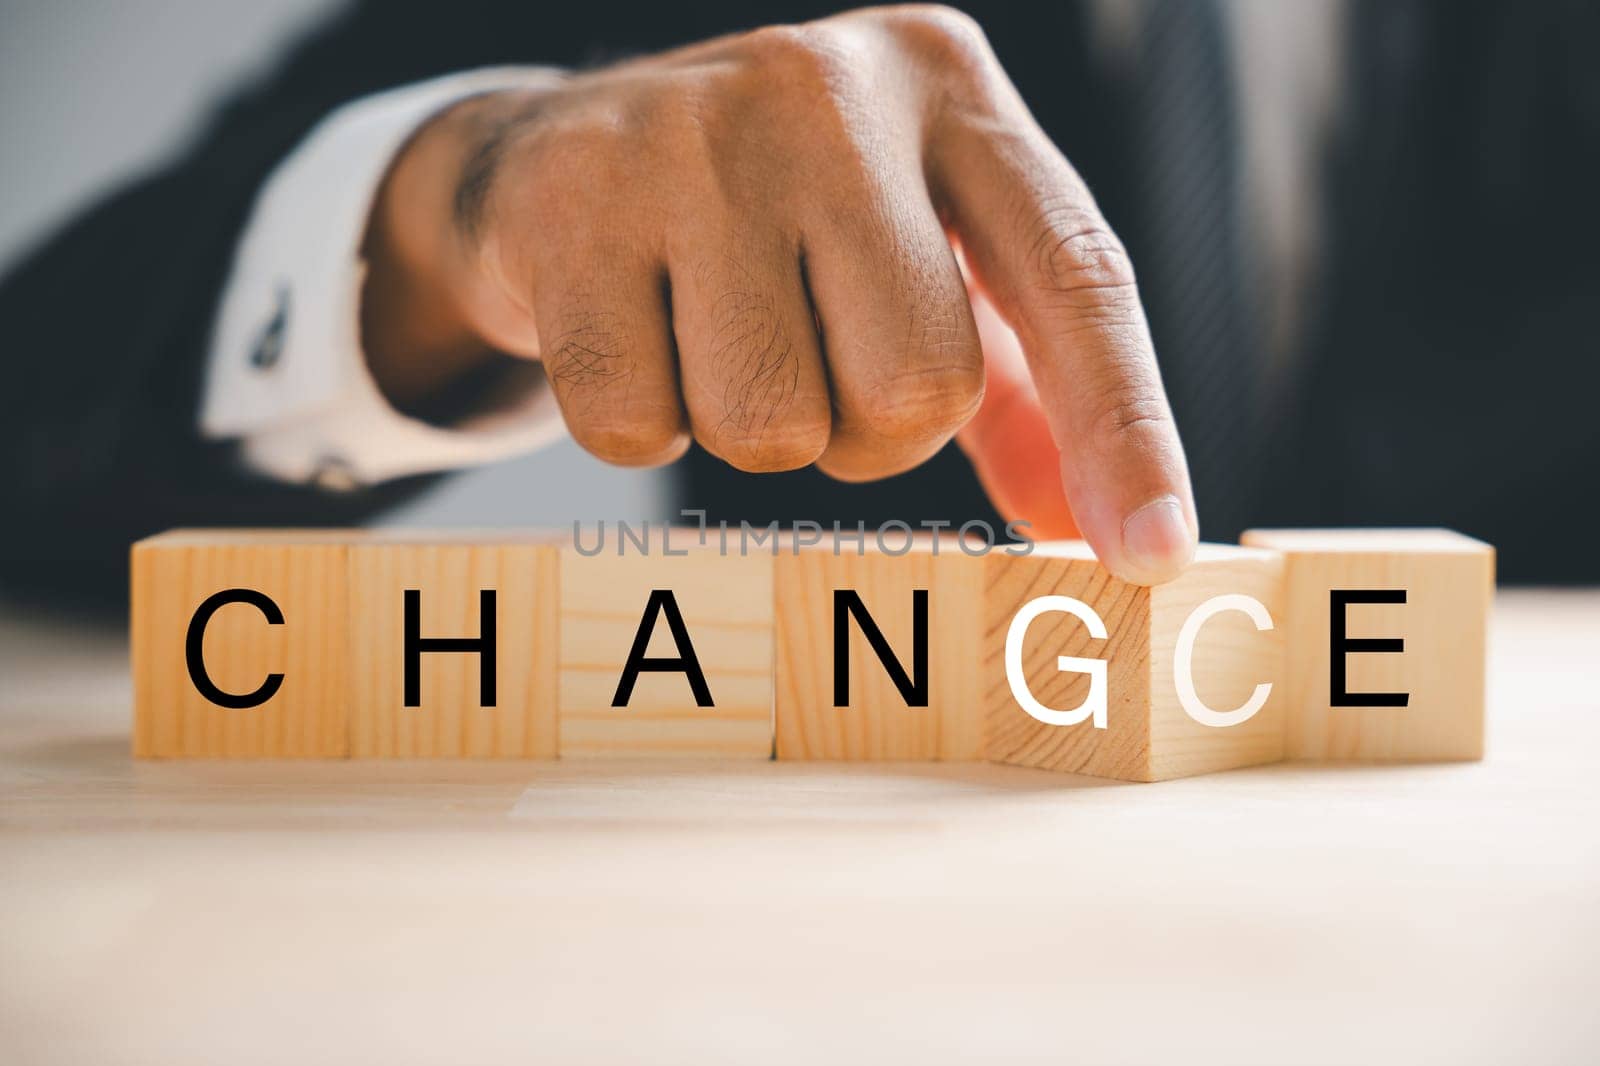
x=238 y=644
x=855 y=679
x=1179 y=661
x=1388 y=649
x=696 y=625
x=425 y=679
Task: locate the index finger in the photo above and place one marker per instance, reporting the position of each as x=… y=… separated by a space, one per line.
x=1040 y=249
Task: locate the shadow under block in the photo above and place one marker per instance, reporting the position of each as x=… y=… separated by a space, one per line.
x=725 y=604
x=1148 y=736
x=1448 y=583
x=304 y=577
x=877 y=722
x=449 y=573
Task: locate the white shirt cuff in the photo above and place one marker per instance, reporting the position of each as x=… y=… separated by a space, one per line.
x=286 y=375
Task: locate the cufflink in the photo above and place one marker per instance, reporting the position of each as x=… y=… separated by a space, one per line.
x=335 y=475
x=268 y=348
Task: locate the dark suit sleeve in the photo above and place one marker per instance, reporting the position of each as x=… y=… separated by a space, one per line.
x=106 y=326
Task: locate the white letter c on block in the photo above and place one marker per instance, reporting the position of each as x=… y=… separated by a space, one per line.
x=1183 y=660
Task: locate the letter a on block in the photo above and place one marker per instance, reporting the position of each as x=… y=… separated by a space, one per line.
x=1388 y=633
x=1164 y=659
x=701 y=684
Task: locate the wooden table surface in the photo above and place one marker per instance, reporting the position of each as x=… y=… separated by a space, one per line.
x=696 y=913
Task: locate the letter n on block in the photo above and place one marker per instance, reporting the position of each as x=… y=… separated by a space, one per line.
x=1193 y=643
x=882 y=699
x=238 y=644
x=421 y=684
x=1404 y=680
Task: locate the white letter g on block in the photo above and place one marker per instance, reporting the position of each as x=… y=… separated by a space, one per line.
x=1183 y=660
x=1094 y=705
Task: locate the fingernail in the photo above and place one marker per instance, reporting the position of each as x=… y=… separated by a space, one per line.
x=1156 y=543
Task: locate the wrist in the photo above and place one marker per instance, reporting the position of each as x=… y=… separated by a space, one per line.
x=419 y=330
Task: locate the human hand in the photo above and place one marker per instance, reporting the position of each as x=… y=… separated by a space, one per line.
x=748 y=242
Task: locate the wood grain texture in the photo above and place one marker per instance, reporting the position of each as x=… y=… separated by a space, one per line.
x=1449 y=584
x=191 y=913
x=726 y=605
x=1230 y=658
x=877 y=723
x=1148 y=736
x=172 y=575
x=449 y=572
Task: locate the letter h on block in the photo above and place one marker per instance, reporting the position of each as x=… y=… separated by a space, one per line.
x=1089 y=674
x=452 y=645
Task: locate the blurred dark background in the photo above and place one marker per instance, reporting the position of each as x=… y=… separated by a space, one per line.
x=94 y=92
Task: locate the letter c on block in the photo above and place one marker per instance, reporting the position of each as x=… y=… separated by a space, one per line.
x=194 y=644
x=1094 y=705
x=1183 y=660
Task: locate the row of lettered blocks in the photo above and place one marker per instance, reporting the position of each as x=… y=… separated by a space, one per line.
x=1367 y=645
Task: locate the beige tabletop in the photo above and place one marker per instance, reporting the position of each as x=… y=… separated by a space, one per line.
x=697 y=913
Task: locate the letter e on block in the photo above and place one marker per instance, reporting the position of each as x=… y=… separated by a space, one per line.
x=1388 y=633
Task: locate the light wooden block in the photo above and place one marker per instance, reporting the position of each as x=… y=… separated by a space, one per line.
x=725 y=602
x=876 y=720
x=1448 y=583
x=449 y=572
x=1148 y=736
x=303 y=575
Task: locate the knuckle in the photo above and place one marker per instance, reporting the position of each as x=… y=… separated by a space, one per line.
x=765 y=422
x=591 y=370
x=588 y=354
x=674 y=113
x=567 y=158
x=627 y=437
x=787 y=444
x=944 y=334
x=595 y=140
x=1075 y=255
x=753 y=357
x=946 y=35
x=790 y=55
x=798 y=78
x=793 y=102
x=1127 y=410
x=927 y=403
